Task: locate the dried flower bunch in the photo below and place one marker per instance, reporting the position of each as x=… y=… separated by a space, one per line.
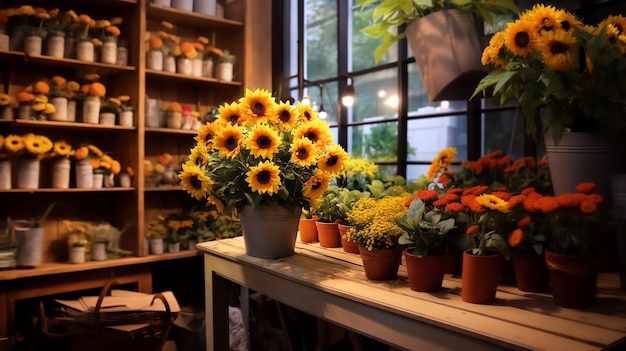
x=262 y=152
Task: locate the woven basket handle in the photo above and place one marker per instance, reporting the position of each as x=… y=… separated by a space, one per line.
x=103 y=293
x=162 y=298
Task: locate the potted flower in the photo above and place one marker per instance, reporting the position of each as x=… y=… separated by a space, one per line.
x=126 y=177
x=109 y=35
x=174 y=115
x=109 y=109
x=347 y=198
x=259 y=158
x=377 y=232
x=440 y=23
x=58 y=98
x=61 y=154
x=225 y=66
x=327 y=211
x=85 y=47
x=581 y=105
x=576 y=222
x=156 y=231
x=77 y=238
x=307 y=227
x=93 y=94
x=29 y=235
x=125 y=111
x=425 y=230
x=30 y=149
x=177 y=229
x=6 y=108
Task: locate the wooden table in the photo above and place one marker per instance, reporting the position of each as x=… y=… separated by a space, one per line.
x=330 y=284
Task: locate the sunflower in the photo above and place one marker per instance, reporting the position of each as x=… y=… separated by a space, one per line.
x=194 y=181
x=619 y=22
x=228 y=140
x=258 y=106
x=317 y=131
x=13 y=143
x=263 y=141
x=491 y=54
x=37 y=145
x=559 y=50
x=306 y=112
x=219 y=205
x=205 y=136
x=62 y=148
x=520 y=38
x=231 y=113
x=442 y=161
x=199 y=155
x=5 y=99
x=287 y=115
x=333 y=160
x=264 y=178
x=303 y=152
x=315 y=187
x=492 y=202
x=543 y=17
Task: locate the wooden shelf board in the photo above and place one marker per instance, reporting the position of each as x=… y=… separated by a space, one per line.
x=59 y=268
x=20 y=57
x=172 y=131
x=66 y=125
x=150 y=73
x=189 y=18
x=70 y=190
x=164 y=188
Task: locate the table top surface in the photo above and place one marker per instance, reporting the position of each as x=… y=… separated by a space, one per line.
x=520 y=319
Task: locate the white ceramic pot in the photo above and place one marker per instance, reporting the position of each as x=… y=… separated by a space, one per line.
x=125 y=180
x=184 y=66
x=207 y=68
x=173 y=247
x=152 y=113
x=107 y=118
x=108 y=52
x=84 y=174
x=4 y=42
x=6 y=112
x=156 y=246
x=196 y=67
x=61 y=173
x=91 y=110
x=60 y=105
x=184 y=5
x=24 y=112
x=55 y=44
x=28 y=173
x=205 y=7
x=224 y=71
x=108 y=180
x=169 y=64
x=77 y=254
x=85 y=51
x=32 y=45
x=71 y=111
x=126 y=118
x=98 y=180
x=29 y=246
x=99 y=251
x=154 y=60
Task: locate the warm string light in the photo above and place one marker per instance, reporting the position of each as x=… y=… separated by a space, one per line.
x=347 y=99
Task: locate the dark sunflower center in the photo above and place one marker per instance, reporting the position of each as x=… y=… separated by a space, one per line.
x=284 y=116
x=264 y=142
x=195 y=182
x=302 y=153
x=620 y=30
x=233 y=119
x=231 y=143
x=566 y=25
x=258 y=108
x=332 y=160
x=36 y=145
x=547 y=25
x=209 y=137
x=307 y=115
x=557 y=47
x=315 y=186
x=311 y=136
x=264 y=177
x=522 y=39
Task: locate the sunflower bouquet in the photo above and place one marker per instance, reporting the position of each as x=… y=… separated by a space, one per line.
x=28 y=145
x=261 y=152
x=550 y=58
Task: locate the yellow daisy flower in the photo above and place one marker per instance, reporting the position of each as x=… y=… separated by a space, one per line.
x=333 y=160
x=228 y=140
x=194 y=181
x=13 y=143
x=263 y=141
x=264 y=178
x=493 y=202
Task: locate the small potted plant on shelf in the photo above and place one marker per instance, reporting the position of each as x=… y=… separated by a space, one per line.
x=225 y=66
x=347 y=199
x=77 y=238
x=109 y=110
x=125 y=111
x=178 y=227
x=441 y=24
x=425 y=230
x=156 y=232
x=327 y=211
x=6 y=106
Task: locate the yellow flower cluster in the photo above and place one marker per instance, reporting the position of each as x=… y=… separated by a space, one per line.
x=374 y=221
x=262 y=152
x=27 y=145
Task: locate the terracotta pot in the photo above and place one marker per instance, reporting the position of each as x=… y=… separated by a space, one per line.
x=348 y=246
x=480 y=277
x=328 y=234
x=531 y=274
x=425 y=273
x=572 y=278
x=381 y=264
x=308 y=230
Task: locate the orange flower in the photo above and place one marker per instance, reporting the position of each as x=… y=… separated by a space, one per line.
x=84 y=19
x=95 y=162
x=586 y=188
x=176 y=107
x=97 y=89
x=427 y=195
x=547 y=204
x=524 y=222
x=24 y=97
x=81 y=152
x=588 y=207
x=113 y=30
x=59 y=81
x=515 y=200
x=454 y=207
x=156 y=42
x=444 y=180
x=502 y=194
x=515 y=238
x=471 y=229
x=41 y=87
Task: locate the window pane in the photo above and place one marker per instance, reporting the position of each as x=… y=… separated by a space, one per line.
x=363 y=45
x=503 y=131
x=427 y=136
x=413 y=172
x=376 y=142
x=376 y=96
x=321 y=39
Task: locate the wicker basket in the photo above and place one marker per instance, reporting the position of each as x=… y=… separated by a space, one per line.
x=95 y=331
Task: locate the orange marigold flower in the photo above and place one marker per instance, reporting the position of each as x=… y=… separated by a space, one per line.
x=113 y=30
x=515 y=238
x=542 y=162
x=467 y=199
x=531 y=163
x=477 y=166
x=586 y=187
x=449 y=197
x=427 y=195
x=502 y=195
x=588 y=207
x=500 y=188
x=511 y=169
x=471 y=229
x=515 y=200
x=524 y=222
x=450 y=172
x=97 y=89
x=504 y=161
x=528 y=191
x=455 y=191
x=41 y=87
x=547 y=204
x=595 y=198
x=454 y=207
x=476 y=207
x=440 y=202
x=24 y=96
x=531 y=205
x=156 y=42
x=569 y=200
x=444 y=180
x=493 y=163
x=480 y=189
x=407 y=203
x=494 y=154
